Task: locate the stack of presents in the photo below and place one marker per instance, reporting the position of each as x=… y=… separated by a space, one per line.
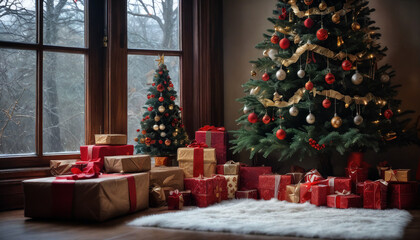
x=109 y=181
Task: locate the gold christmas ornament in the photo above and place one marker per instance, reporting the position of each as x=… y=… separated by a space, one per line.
x=322 y=6
x=177 y=130
x=355 y=26
x=136 y=139
x=340 y=41
x=253 y=73
x=141 y=140
x=157 y=118
x=174 y=134
x=155 y=127
x=336 y=18
x=167 y=142
x=336 y=121
x=161 y=109
x=171 y=107
x=265 y=53
x=292 y=1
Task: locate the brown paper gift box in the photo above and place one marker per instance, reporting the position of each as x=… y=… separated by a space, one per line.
x=293 y=193
x=63 y=167
x=95 y=199
x=127 y=164
x=397 y=175
x=111 y=139
x=185 y=159
x=168 y=178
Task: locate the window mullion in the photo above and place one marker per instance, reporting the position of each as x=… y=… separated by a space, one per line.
x=39 y=78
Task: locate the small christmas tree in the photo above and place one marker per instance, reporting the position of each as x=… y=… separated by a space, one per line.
x=162 y=131
x=320 y=88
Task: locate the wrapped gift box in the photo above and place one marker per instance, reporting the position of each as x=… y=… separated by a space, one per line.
x=232 y=185
x=339 y=184
x=197 y=161
x=186 y=195
x=92 y=152
x=168 y=178
x=297 y=177
x=375 y=194
x=306 y=191
x=157 y=197
x=216 y=138
x=127 y=163
x=357 y=175
x=221 y=189
x=402 y=195
x=97 y=199
x=293 y=193
x=175 y=200
x=319 y=195
x=273 y=186
x=344 y=201
x=163 y=161
x=63 y=167
x=229 y=168
x=247 y=194
x=313 y=176
x=360 y=188
x=249 y=177
x=397 y=175
x=110 y=139
x=202 y=189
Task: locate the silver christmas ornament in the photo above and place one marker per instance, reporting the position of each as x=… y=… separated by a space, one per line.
x=293 y=111
x=301 y=73
x=281 y=74
x=272 y=53
x=246 y=109
x=163 y=134
x=155 y=127
x=357 y=78
x=162 y=127
x=310 y=118
x=384 y=78
x=358 y=119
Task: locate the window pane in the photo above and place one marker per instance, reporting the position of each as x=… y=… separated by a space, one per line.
x=17 y=21
x=153 y=24
x=64 y=102
x=64 y=23
x=141 y=70
x=17 y=101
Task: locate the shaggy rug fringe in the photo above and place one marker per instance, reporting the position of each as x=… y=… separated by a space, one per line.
x=248 y=216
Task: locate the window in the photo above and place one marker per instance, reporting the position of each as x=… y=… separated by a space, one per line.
x=152 y=29
x=42 y=76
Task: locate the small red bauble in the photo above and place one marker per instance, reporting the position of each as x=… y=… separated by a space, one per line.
x=180 y=109
x=326 y=103
x=275 y=39
x=330 y=78
x=265 y=77
x=322 y=34
x=152 y=96
x=160 y=141
x=160 y=72
x=166 y=114
x=388 y=114
x=284 y=43
x=182 y=125
x=173 y=124
x=253 y=118
x=153 y=142
x=309 y=85
x=148 y=96
x=138 y=130
x=150 y=109
x=346 y=65
x=161 y=99
x=171 y=85
x=160 y=88
x=308 y=22
x=153 y=84
x=173 y=98
x=143 y=132
x=266 y=119
x=164 y=82
x=281 y=134
x=147 y=117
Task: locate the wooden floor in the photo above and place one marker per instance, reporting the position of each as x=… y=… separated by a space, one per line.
x=14 y=226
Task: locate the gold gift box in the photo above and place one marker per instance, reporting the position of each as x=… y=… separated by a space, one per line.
x=127 y=164
x=292 y=193
x=110 y=139
x=397 y=175
x=185 y=159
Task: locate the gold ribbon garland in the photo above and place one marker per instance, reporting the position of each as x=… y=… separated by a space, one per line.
x=316 y=11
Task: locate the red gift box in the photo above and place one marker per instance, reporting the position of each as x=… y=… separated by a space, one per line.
x=306 y=190
x=360 y=188
x=375 y=194
x=319 y=195
x=249 y=176
x=357 y=175
x=215 y=137
x=273 y=186
x=338 y=184
x=90 y=152
x=402 y=195
x=175 y=200
x=247 y=194
x=313 y=176
x=221 y=191
x=186 y=195
x=344 y=201
x=202 y=190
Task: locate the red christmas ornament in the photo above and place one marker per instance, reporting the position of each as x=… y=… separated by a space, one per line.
x=326 y=103
x=150 y=109
x=173 y=98
x=253 y=117
x=166 y=114
x=164 y=82
x=266 y=119
x=281 y=134
x=153 y=84
x=147 y=117
x=330 y=78
x=171 y=85
x=173 y=124
x=182 y=125
x=308 y=23
x=161 y=99
x=346 y=65
x=180 y=109
x=152 y=96
x=283 y=14
x=275 y=39
x=160 y=72
x=160 y=88
x=148 y=96
x=160 y=141
x=265 y=77
x=153 y=142
x=309 y=85
x=388 y=114
x=284 y=43
x=138 y=130
x=322 y=34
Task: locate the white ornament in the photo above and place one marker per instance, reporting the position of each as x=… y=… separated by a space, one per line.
x=293 y=111
x=163 y=134
x=254 y=91
x=246 y=109
x=384 y=78
x=310 y=118
x=161 y=109
x=155 y=127
x=301 y=73
x=357 y=78
x=272 y=53
x=281 y=74
x=358 y=119
x=162 y=127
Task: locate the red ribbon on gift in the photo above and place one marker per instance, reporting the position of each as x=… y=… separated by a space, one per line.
x=91 y=170
x=195 y=144
x=337 y=197
x=212 y=128
x=313 y=176
x=198 y=164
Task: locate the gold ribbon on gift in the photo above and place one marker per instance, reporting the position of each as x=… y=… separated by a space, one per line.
x=317 y=11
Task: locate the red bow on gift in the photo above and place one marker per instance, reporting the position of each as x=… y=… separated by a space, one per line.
x=90 y=171
x=195 y=144
x=212 y=128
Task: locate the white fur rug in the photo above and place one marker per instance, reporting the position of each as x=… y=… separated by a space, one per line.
x=248 y=216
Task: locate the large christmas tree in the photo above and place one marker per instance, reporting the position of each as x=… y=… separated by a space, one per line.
x=320 y=86
x=162 y=131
